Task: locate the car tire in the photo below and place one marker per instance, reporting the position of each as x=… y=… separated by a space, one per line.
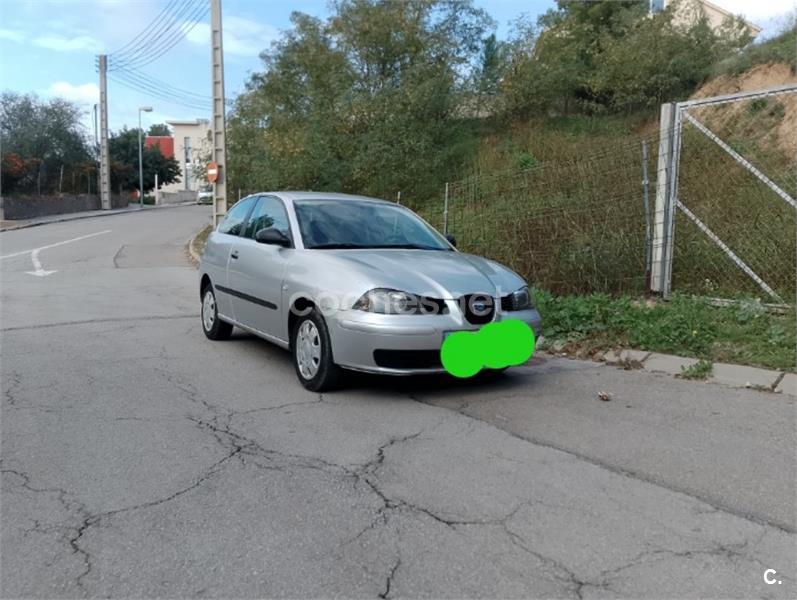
x=214 y=328
x=311 y=349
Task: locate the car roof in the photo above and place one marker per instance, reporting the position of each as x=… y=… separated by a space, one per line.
x=293 y=196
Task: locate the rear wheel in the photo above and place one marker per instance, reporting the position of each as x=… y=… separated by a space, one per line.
x=312 y=353
x=214 y=328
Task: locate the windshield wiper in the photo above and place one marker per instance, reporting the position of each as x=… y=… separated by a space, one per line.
x=338 y=246
x=347 y=246
x=410 y=247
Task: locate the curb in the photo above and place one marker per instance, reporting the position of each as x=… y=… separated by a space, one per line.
x=730 y=375
x=193 y=255
x=111 y=213
x=738 y=376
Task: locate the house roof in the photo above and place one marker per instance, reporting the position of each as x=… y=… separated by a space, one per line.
x=189 y=122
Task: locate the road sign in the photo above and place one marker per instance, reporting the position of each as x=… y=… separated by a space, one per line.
x=213 y=172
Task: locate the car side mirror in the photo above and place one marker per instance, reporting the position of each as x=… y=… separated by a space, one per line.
x=272 y=236
x=451 y=240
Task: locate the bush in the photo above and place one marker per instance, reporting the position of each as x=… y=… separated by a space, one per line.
x=779 y=49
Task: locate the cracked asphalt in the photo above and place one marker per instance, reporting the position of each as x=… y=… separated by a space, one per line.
x=141 y=460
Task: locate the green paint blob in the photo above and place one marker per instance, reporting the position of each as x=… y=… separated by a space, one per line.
x=495 y=346
x=460 y=354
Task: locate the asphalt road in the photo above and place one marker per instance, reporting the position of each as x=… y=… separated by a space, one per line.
x=141 y=460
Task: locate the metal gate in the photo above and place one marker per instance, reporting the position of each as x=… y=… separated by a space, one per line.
x=725 y=196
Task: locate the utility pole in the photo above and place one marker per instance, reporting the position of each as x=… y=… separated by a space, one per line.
x=141 y=158
x=105 y=161
x=218 y=126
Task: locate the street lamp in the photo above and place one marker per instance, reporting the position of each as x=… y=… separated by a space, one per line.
x=140 y=157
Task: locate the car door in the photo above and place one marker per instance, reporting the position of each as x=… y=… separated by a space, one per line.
x=256 y=271
x=216 y=256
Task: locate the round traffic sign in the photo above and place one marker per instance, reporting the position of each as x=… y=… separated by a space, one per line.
x=213 y=172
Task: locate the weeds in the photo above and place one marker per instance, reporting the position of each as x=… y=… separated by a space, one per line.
x=700 y=370
x=743 y=333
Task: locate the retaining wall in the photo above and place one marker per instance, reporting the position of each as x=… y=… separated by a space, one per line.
x=29 y=207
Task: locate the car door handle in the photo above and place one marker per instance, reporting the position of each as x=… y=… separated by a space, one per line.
x=234 y=254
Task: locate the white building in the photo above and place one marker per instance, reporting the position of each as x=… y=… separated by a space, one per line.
x=687 y=11
x=192 y=149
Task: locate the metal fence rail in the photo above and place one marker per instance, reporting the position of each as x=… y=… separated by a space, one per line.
x=704 y=206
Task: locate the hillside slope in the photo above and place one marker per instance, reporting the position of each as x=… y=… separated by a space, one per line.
x=779 y=121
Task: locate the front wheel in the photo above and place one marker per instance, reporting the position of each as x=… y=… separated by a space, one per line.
x=214 y=328
x=312 y=353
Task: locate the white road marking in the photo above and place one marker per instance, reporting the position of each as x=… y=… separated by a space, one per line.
x=34 y=253
x=39 y=272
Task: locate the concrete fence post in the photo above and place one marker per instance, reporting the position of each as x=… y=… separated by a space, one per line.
x=663 y=216
x=445 y=212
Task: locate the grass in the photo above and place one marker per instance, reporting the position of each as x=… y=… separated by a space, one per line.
x=743 y=333
x=700 y=370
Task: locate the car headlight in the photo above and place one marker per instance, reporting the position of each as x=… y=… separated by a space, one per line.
x=394 y=302
x=518 y=300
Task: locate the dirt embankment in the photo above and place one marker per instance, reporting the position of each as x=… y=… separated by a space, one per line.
x=756 y=78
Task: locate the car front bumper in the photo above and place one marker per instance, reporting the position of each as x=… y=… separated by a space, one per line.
x=356 y=335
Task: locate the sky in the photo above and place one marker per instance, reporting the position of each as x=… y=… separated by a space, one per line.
x=48 y=47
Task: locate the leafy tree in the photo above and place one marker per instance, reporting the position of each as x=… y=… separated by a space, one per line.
x=363 y=101
x=491 y=64
x=123 y=148
x=38 y=139
x=611 y=56
x=159 y=129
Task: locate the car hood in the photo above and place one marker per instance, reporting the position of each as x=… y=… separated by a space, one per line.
x=432 y=273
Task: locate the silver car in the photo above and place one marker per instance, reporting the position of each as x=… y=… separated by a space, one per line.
x=348 y=282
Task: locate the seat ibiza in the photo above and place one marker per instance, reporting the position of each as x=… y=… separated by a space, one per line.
x=348 y=282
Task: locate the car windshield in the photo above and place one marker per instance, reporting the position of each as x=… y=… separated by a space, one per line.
x=335 y=224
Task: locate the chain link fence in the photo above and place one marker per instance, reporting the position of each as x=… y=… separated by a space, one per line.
x=570 y=227
x=593 y=223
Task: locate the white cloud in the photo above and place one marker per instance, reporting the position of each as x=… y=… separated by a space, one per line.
x=10 y=34
x=242 y=37
x=87 y=93
x=68 y=44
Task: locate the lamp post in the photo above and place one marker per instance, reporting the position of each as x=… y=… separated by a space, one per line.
x=140 y=157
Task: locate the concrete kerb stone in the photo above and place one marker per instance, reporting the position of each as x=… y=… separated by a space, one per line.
x=667 y=363
x=742 y=376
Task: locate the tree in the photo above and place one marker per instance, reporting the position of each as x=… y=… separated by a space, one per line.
x=123 y=148
x=39 y=138
x=159 y=129
x=364 y=101
x=488 y=74
x=605 y=55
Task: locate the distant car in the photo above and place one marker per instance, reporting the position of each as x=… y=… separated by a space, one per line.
x=348 y=282
x=205 y=195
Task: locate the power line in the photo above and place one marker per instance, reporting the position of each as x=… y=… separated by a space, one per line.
x=147 y=30
x=152 y=89
x=164 y=86
x=162 y=40
x=162 y=43
x=175 y=8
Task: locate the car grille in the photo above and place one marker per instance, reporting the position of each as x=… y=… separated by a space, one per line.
x=408 y=359
x=469 y=305
x=432 y=306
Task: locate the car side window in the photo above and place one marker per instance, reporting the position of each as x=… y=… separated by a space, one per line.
x=234 y=220
x=269 y=213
